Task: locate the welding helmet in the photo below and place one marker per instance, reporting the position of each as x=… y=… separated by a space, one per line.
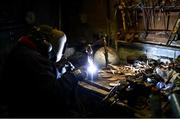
x=49 y=40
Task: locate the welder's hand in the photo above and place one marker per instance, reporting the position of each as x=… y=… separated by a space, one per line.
x=67 y=67
x=64 y=65
x=80 y=73
x=61 y=63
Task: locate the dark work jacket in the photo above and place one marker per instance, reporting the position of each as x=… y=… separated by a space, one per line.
x=29 y=84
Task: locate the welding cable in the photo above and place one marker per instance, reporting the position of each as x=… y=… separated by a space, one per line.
x=111 y=93
x=115 y=91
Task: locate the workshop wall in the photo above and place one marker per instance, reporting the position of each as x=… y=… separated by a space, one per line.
x=82 y=19
x=12 y=17
x=155 y=52
x=12 y=20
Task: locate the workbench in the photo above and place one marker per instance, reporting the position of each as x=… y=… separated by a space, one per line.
x=101 y=86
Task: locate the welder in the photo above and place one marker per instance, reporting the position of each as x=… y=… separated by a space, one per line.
x=31 y=86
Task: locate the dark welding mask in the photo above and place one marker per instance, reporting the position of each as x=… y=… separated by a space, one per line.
x=50 y=41
x=58 y=44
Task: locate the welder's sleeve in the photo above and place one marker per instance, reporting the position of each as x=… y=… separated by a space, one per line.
x=36 y=87
x=45 y=75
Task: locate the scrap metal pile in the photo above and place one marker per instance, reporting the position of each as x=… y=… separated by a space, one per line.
x=145 y=87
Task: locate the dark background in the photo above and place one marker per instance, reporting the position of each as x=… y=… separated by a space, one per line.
x=100 y=16
x=61 y=14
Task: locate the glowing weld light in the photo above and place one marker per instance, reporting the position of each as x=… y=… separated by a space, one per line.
x=91 y=67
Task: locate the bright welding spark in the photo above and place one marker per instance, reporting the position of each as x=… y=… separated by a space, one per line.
x=91 y=67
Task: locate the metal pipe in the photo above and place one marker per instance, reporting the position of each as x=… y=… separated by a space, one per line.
x=174 y=99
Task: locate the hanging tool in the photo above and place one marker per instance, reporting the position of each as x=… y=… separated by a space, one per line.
x=174 y=31
x=122 y=8
x=144 y=16
x=154 y=16
x=168 y=17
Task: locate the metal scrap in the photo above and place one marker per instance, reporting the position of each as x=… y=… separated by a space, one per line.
x=142 y=79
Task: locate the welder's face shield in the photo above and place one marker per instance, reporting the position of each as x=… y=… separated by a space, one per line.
x=59 y=49
x=58 y=42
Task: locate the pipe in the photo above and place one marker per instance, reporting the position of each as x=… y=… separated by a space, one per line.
x=174 y=99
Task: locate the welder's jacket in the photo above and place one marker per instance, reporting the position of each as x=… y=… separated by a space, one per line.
x=30 y=85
